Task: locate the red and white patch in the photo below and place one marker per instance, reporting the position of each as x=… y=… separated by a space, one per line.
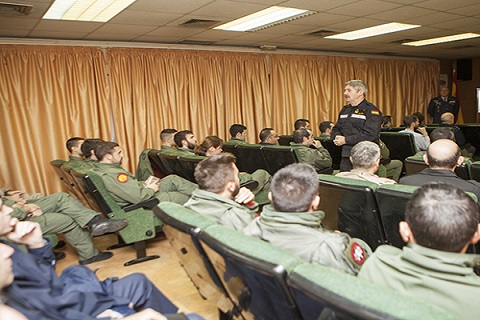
x=358 y=253
x=122 y=178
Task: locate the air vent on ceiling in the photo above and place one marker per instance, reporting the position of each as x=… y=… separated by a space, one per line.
x=320 y=33
x=199 y=23
x=6 y=7
x=195 y=42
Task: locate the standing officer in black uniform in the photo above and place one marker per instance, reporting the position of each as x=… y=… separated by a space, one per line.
x=441 y=104
x=358 y=121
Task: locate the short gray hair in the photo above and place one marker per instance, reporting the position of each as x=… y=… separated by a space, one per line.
x=357 y=85
x=365 y=154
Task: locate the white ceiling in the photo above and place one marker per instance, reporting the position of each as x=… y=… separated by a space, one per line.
x=158 y=21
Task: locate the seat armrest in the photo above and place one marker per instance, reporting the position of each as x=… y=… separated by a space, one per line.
x=147 y=204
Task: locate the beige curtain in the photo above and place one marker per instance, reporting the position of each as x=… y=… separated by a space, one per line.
x=47 y=95
x=312 y=87
x=196 y=90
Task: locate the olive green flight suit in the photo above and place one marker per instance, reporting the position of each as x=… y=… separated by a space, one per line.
x=318 y=158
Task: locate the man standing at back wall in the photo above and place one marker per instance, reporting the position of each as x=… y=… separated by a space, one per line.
x=358 y=121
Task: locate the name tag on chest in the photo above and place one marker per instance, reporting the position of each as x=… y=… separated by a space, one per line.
x=359 y=116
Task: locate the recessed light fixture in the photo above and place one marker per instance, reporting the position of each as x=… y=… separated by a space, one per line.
x=265 y=19
x=455 y=37
x=373 y=31
x=86 y=10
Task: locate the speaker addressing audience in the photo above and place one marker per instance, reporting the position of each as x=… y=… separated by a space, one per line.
x=126 y=189
x=441 y=221
x=294 y=223
x=365 y=158
x=442 y=157
x=360 y=120
x=219 y=196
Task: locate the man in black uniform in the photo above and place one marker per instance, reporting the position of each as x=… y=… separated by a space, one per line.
x=441 y=104
x=358 y=121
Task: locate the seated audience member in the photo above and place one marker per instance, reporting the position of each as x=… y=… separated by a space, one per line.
x=294 y=223
x=167 y=136
x=326 y=129
x=268 y=137
x=365 y=158
x=389 y=168
x=6 y=278
x=238 y=134
x=186 y=142
x=420 y=117
x=88 y=150
x=422 y=141
x=212 y=145
x=219 y=196
x=74 y=146
x=441 y=221
x=61 y=213
x=126 y=189
x=301 y=124
x=437 y=134
x=448 y=121
x=38 y=293
x=442 y=157
x=386 y=123
x=311 y=151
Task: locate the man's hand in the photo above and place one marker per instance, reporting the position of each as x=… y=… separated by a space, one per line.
x=317 y=144
x=244 y=196
x=32 y=210
x=339 y=141
x=423 y=130
x=26 y=232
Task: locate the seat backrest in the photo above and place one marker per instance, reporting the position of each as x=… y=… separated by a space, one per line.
x=182 y=228
x=392 y=201
x=463 y=171
x=188 y=166
x=253 y=158
x=172 y=162
x=325 y=293
x=77 y=190
x=335 y=152
x=350 y=206
x=414 y=166
x=253 y=272
x=231 y=148
x=401 y=145
x=56 y=165
x=160 y=168
x=278 y=157
x=472 y=135
x=475 y=171
x=284 y=140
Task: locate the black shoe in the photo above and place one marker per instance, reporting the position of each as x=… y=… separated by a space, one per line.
x=99 y=257
x=103 y=226
x=59 y=255
x=61 y=244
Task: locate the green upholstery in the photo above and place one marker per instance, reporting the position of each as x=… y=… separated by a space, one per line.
x=253 y=272
x=142 y=224
x=182 y=227
x=350 y=206
x=320 y=289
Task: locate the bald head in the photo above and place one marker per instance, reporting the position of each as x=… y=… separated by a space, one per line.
x=443 y=154
x=448 y=118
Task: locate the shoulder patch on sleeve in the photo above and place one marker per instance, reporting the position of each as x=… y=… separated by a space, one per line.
x=375 y=112
x=122 y=178
x=357 y=253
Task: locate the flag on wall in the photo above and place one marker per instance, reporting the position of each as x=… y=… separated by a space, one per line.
x=459 y=117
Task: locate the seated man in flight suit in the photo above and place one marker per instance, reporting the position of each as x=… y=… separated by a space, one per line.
x=126 y=189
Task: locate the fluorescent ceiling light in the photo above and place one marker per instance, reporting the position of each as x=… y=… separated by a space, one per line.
x=455 y=37
x=86 y=10
x=265 y=19
x=373 y=31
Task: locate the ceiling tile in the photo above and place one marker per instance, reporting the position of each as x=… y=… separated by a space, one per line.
x=445 y=5
x=173 y=32
x=67 y=26
x=229 y=9
x=130 y=29
x=363 y=8
x=401 y=14
x=145 y=18
x=168 y=6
